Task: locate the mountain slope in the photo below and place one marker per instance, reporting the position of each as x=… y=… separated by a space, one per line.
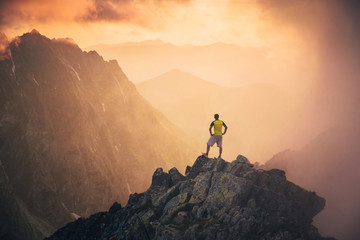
x=330 y=166
x=214 y=200
x=14 y=223
x=75 y=135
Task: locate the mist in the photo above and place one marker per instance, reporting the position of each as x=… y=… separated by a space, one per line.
x=330 y=31
x=329 y=164
x=259 y=92
x=314 y=109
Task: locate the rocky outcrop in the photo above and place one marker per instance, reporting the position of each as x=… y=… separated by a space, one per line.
x=75 y=135
x=214 y=200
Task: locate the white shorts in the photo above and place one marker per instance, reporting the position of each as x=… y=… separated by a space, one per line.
x=215 y=139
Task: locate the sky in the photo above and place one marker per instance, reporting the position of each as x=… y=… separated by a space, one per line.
x=198 y=22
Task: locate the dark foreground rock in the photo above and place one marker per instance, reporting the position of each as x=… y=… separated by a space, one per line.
x=215 y=200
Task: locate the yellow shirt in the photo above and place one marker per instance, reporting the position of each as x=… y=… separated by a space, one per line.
x=217 y=126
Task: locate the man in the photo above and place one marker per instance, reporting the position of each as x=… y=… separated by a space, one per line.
x=217 y=136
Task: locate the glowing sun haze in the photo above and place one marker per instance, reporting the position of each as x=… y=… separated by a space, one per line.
x=91 y=22
x=312 y=48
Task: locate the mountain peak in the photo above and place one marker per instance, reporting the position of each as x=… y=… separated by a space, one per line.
x=214 y=200
x=67 y=107
x=177 y=78
x=176 y=70
x=35 y=37
x=33 y=34
x=179 y=72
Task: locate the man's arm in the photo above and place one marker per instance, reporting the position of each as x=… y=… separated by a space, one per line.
x=210 y=128
x=225 y=129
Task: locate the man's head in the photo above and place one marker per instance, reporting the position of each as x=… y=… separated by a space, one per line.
x=216 y=116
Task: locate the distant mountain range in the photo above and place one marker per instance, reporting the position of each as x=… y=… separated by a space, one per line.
x=224 y=64
x=75 y=136
x=260 y=116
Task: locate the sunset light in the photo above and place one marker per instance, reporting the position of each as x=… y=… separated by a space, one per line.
x=179 y=119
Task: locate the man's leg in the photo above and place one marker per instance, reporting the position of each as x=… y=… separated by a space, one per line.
x=220 y=151
x=207 y=149
x=209 y=144
x=219 y=144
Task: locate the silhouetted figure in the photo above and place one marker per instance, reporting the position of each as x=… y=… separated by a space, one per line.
x=216 y=137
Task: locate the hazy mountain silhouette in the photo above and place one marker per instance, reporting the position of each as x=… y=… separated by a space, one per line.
x=329 y=166
x=259 y=116
x=225 y=64
x=75 y=136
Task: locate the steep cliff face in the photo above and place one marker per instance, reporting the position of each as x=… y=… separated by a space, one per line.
x=75 y=135
x=214 y=200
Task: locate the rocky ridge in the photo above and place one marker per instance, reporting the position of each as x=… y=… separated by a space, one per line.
x=214 y=200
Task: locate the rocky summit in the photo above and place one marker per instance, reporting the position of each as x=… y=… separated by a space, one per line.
x=214 y=200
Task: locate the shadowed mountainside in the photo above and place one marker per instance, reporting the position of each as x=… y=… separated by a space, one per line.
x=14 y=223
x=214 y=200
x=75 y=135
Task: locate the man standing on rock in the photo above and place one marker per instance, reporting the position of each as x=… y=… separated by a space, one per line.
x=217 y=136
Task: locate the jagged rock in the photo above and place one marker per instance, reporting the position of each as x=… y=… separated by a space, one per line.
x=175 y=176
x=215 y=200
x=161 y=178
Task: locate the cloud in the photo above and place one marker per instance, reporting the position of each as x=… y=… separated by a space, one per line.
x=14 y=13
x=4 y=43
x=322 y=18
x=109 y=10
x=66 y=41
x=331 y=30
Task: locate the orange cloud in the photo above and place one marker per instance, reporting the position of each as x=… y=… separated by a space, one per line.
x=4 y=53
x=14 y=13
x=109 y=10
x=67 y=41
